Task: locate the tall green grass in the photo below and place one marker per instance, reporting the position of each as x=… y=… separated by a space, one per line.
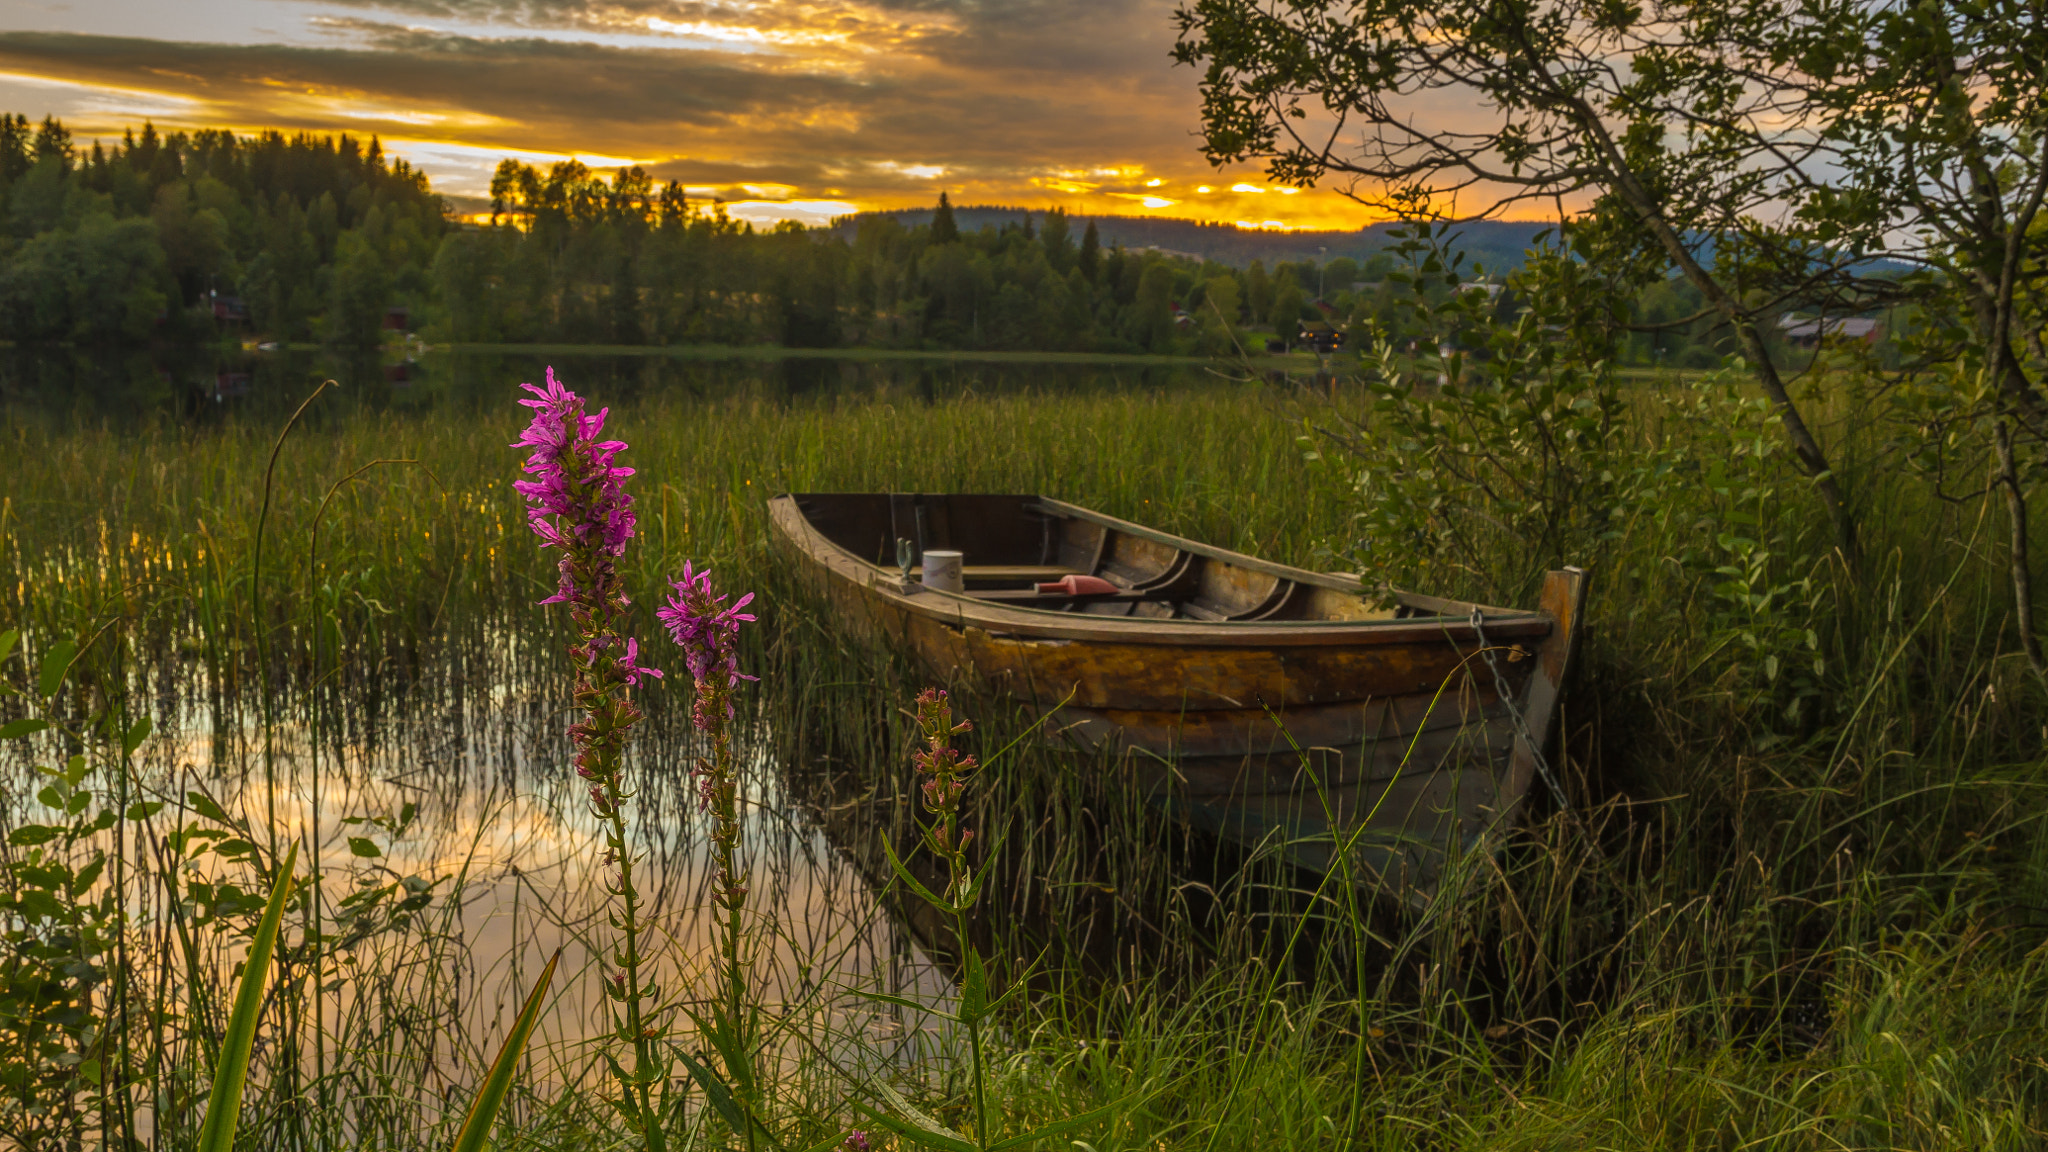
x=1745 y=932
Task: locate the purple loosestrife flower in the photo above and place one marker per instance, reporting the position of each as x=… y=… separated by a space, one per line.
x=947 y=770
x=699 y=620
x=576 y=500
x=707 y=629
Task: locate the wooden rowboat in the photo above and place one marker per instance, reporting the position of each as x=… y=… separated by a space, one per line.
x=1250 y=697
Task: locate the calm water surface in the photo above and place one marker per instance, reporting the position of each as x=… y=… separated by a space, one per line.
x=196 y=382
x=471 y=742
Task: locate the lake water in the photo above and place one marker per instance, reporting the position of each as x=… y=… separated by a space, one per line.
x=469 y=745
x=194 y=382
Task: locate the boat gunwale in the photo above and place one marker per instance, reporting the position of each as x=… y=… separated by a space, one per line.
x=959 y=610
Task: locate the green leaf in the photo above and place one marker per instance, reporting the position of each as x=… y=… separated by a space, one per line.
x=224 y=1107
x=56 y=663
x=923 y=893
x=358 y=846
x=87 y=875
x=14 y=728
x=483 y=1111
x=722 y=1035
x=135 y=736
x=973 y=988
x=904 y=1002
x=715 y=1091
x=30 y=835
x=143 y=810
x=206 y=806
x=915 y=1124
x=7 y=642
x=1064 y=1124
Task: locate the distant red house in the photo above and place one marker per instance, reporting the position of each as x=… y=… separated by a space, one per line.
x=1808 y=333
x=398 y=318
x=228 y=309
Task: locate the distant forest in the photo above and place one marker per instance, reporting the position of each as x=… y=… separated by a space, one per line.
x=1497 y=244
x=199 y=236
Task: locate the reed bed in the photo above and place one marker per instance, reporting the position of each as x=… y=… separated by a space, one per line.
x=1742 y=927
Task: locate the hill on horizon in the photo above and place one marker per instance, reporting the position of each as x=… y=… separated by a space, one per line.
x=1495 y=244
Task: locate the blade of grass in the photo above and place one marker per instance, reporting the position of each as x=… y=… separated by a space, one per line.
x=224 y=1108
x=483 y=1112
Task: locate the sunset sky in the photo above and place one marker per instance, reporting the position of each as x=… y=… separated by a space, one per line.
x=803 y=109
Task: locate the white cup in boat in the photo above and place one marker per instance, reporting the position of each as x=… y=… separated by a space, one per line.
x=942 y=571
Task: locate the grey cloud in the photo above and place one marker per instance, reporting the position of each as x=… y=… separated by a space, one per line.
x=1007 y=35
x=1018 y=92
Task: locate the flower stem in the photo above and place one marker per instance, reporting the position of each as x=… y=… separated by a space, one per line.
x=734 y=897
x=638 y=1086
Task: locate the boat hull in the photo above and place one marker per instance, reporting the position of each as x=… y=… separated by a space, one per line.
x=1410 y=738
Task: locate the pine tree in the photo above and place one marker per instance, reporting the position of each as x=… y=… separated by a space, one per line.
x=1059 y=246
x=1091 y=251
x=15 y=158
x=53 y=142
x=944 y=231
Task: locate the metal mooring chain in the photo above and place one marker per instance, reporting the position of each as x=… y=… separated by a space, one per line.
x=1500 y=685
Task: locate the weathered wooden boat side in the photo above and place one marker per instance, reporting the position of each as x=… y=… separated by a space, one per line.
x=1252 y=697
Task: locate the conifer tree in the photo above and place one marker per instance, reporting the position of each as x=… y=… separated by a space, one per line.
x=944 y=230
x=14 y=148
x=1059 y=245
x=53 y=142
x=1091 y=251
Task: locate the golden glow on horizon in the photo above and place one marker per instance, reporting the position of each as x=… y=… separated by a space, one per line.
x=486 y=158
x=706 y=30
x=914 y=171
x=766 y=213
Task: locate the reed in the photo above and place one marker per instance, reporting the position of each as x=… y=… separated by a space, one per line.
x=1788 y=928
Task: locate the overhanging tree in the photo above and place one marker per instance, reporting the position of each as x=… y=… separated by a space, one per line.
x=1765 y=149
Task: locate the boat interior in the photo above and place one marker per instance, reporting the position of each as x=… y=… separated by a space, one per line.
x=1012 y=545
